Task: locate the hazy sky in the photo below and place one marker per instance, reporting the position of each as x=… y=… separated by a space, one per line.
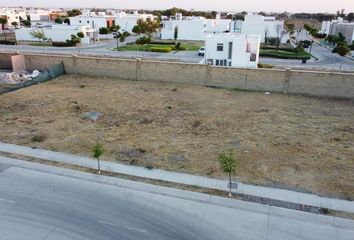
x=225 y=5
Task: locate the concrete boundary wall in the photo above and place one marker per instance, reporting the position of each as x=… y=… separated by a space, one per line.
x=312 y=83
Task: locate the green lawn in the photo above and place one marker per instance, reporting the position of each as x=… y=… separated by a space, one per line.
x=41 y=44
x=146 y=47
x=284 y=54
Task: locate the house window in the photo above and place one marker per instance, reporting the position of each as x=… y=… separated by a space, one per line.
x=217 y=62
x=88 y=21
x=80 y=21
x=220 y=47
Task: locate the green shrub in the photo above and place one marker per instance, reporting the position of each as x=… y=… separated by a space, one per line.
x=163 y=42
x=63 y=44
x=264 y=65
x=160 y=49
x=143 y=40
x=7 y=42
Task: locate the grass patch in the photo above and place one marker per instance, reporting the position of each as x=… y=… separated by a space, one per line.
x=151 y=47
x=284 y=54
x=40 y=44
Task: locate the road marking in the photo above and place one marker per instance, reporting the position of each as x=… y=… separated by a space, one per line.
x=6 y=200
x=107 y=223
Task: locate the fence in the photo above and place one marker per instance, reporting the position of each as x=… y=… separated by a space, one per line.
x=51 y=73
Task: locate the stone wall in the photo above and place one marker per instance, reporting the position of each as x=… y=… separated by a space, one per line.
x=313 y=83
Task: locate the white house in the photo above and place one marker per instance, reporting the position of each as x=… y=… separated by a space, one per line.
x=260 y=25
x=13 y=15
x=336 y=26
x=193 y=28
x=39 y=17
x=93 y=20
x=128 y=21
x=232 y=49
x=57 y=33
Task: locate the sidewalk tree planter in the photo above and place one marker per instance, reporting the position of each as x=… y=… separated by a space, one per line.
x=228 y=165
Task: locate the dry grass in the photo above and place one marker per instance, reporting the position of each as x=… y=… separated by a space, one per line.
x=289 y=141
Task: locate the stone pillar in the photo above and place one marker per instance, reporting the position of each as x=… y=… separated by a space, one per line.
x=286 y=81
x=138 y=69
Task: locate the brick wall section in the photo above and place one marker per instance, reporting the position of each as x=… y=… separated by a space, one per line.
x=313 y=83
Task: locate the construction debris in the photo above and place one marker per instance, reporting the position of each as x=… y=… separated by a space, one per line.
x=18 y=77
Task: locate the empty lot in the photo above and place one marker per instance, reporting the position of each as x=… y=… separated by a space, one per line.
x=288 y=141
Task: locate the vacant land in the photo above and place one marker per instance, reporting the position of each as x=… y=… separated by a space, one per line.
x=290 y=141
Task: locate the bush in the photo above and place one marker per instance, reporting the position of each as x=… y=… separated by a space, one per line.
x=320 y=35
x=143 y=40
x=7 y=42
x=264 y=65
x=163 y=42
x=160 y=49
x=63 y=44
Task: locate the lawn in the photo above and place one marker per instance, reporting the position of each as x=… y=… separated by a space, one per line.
x=293 y=142
x=284 y=54
x=137 y=47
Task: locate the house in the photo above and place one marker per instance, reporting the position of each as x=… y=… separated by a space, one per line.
x=57 y=33
x=13 y=15
x=128 y=21
x=193 y=28
x=339 y=26
x=94 y=20
x=265 y=27
x=39 y=17
x=232 y=49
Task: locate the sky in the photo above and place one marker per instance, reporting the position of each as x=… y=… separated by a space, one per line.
x=217 y=5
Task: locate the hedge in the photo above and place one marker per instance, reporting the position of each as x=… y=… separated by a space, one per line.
x=7 y=42
x=63 y=44
x=160 y=49
x=163 y=42
x=283 y=56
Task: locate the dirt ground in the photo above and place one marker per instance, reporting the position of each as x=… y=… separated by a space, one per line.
x=286 y=141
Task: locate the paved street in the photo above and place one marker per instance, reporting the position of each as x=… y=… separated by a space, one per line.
x=105 y=49
x=326 y=59
x=52 y=203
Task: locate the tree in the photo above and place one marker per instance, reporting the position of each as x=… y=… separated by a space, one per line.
x=123 y=36
x=175 y=35
x=38 y=34
x=341 y=49
x=67 y=21
x=228 y=165
x=15 y=24
x=58 y=20
x=266 y=34
x=3 y=21
x=147 y=27
x=350 y=17
x=74 y=12
x=26 y=23
x=280 y=33
x=97 y=151
x=352 y=46
x=80 y=35
x=74 y=40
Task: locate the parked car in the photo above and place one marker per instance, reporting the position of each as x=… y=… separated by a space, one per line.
x=201 y=51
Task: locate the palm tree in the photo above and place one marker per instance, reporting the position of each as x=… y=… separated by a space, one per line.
x=3 y=21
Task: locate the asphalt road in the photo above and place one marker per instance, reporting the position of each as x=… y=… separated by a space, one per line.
x=39 y=205
x=326 y=59
x=104 y=49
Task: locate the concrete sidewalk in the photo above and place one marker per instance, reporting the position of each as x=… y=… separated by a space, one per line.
x=188 y=179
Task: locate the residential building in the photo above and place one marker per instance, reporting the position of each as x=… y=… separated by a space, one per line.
x=339 y=26
x=193 y=28
x=94 y=20
x=265 y=27
x=128 y=21
x=13 y=15
x=39 y=17
x=57 y=33
x=232 y=49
